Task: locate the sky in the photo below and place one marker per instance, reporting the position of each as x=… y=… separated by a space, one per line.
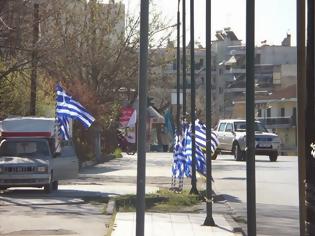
x=274 y=18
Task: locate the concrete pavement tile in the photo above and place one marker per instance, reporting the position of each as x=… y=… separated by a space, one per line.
x=170 y=224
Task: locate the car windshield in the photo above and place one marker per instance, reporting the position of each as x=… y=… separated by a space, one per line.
x=24 y=148
x=241 y=127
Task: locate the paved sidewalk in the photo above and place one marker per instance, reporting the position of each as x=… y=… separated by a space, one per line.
x=171 y=224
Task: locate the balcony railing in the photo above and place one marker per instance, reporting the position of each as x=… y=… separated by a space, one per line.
x=278 y=122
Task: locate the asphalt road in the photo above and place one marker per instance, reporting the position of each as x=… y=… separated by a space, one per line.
x=32 y=212
x=276 y=192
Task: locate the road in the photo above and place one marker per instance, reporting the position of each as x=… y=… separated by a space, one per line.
x=32 y=212
x=276 y=192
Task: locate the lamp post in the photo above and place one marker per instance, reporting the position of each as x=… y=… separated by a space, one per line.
x=144 y=28
x=209 y=219
x=184 y=56
x=34 y=59
x=309 y=123
x=250 y=117
x=301 y=98
x=178 y=70
x=193 y=100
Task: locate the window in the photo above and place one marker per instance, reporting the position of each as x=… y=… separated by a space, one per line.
x=229 y=127
x=222 y=126
x=282 y=112
x=269 y=112
x=259 y=113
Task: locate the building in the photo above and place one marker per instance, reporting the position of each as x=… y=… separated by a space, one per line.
x=275 y=66
x=277 y=111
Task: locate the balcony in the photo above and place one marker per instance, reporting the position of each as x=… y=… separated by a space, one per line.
x=278 y=122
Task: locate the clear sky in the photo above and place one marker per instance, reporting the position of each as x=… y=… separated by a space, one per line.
x=274 y=18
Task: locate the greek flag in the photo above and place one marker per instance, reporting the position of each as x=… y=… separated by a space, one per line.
x=199 y=155
x=67 y=108
x=178 y=166
x=201 y=139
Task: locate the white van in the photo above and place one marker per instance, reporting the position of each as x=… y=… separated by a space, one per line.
x=31 y=155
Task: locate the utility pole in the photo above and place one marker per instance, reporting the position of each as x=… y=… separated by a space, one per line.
x=193 y=100
x=309 y=123
x=143 y=77
x=250 y=117
x=209 y=219
x=34 y=60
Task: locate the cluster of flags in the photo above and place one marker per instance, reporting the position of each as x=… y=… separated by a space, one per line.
x=68 y=109
x=183 y=150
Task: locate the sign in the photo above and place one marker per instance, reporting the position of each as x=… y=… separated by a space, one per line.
x=126 y=113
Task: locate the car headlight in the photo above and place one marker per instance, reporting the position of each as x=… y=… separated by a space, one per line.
x=42 y=169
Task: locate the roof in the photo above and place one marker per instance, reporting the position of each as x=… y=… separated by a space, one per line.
x=286 y=93
x=278 y=94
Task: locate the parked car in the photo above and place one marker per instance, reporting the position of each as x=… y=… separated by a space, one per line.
x=232 y=138
x=31 y=156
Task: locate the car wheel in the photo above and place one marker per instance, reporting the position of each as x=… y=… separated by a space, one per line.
x=55 y=185
x=273 y=157
x=238 y=153
x=48 y=188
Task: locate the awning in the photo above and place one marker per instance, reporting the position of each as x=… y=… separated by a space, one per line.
x=231 y=61
x=155 y=115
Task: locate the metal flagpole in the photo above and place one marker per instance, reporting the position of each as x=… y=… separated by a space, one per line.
x=250 y=117
x=193 y=98
x=144 y=26
x=209 y=219
x=178 y=70
x=301 y=91
x=184 y=57
x=309 y=123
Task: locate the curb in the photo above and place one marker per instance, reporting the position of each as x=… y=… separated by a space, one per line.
x=111 y=211
x=94 y=162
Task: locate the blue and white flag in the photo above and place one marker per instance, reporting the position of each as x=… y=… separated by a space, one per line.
x=201 y=138
x=179 y=162
x=199 y=155
x=67 y=108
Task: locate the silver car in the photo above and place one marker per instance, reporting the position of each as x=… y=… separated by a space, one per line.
x=232 y=138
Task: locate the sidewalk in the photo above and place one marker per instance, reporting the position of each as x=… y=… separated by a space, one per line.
x=171 y=224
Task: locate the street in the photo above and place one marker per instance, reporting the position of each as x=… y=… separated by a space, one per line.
x=276 y=192
x=32 y=212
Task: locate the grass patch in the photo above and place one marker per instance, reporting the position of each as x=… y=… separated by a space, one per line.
x=162 y=201
x=97 y=201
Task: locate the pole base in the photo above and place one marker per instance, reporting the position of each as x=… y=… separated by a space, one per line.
x=209 y=221
x=194 y=190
